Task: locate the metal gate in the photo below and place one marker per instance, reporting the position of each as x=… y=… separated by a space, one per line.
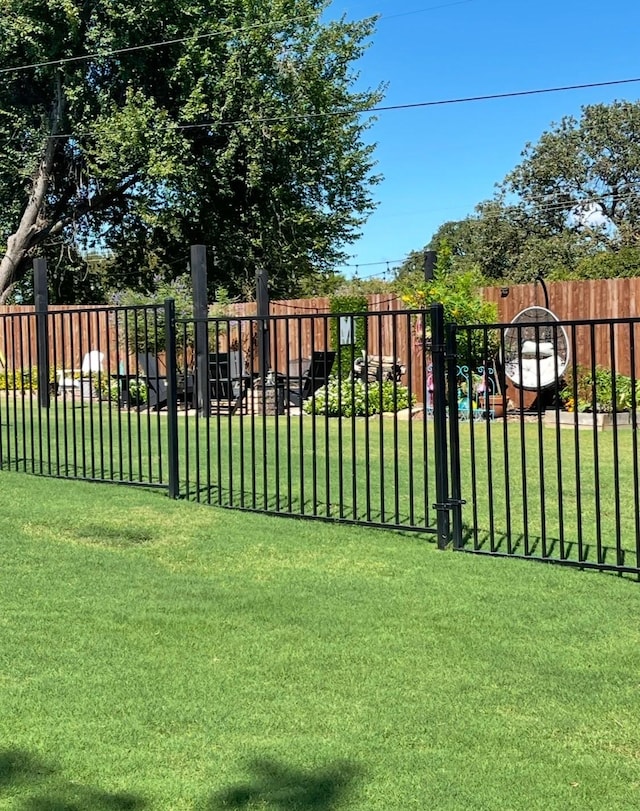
x=549 y=471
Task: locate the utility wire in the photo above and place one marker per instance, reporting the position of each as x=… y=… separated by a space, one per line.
x=152 y=45
x=382 y=109
x=198 y=37
x=418 y=104
x=551 y=208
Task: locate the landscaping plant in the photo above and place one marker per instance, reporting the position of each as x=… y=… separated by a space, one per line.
x=359 y=399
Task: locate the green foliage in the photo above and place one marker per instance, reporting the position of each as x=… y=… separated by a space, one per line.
x=624 y=263
x=144 y=330
x=358 y=399
x=597 y=387
x=227 y=137
x=364 y=287
x=459 y=293
x=19 y=379
x=570 y=209
x=320 y=283
x=110 y=390
x=585 y=175
x=354 y=303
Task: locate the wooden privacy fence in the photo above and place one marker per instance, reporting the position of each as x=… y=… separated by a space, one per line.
x=570 y=301
x=74 y=330
x=582 y=300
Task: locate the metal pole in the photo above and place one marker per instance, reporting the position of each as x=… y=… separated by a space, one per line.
x=172 y=396
x=41 y=296
x=541 y=281
x=200 y=313
x=262 y=305
x=438 y=350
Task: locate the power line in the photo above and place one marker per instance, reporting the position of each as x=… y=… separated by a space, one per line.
x=551 y=207
x=152 y=45
x=198 y=37
x=422 y=10
x=386 y=108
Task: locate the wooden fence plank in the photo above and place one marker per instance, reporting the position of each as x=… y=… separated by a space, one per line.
x=77 y=330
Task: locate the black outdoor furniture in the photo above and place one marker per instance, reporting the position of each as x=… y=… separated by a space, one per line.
x=306 y=376
x=155 y=381
x=227 y=379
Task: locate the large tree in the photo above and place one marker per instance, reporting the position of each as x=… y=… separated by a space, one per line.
x=571 y=208
x=243 y=131
x=584 y=175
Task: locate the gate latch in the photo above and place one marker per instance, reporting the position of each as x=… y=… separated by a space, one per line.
x=449 y=504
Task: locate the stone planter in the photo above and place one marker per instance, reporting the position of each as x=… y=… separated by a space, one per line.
x=594 y=421
x=267 y=399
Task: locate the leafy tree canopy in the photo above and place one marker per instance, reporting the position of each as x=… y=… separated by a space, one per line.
x=570 y=209
x=243 y=132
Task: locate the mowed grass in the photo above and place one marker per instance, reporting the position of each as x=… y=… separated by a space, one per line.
x=167 y=655
x=528 y=489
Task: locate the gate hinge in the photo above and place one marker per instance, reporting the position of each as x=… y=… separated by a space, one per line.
x=449 y=504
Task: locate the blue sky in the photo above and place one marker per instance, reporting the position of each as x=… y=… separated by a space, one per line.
x=439 y=162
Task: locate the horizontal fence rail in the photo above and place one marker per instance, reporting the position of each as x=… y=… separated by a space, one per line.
x=549 y=457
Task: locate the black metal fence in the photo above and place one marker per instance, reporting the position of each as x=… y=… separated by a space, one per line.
x=315 y=415
x=516 y=440
x=549 y=462
x=82 y=395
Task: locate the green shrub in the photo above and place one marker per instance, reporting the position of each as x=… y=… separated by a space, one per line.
x=598 y=385
x=358 y=399
x=110 y=390
x=19 y=380
x=145 y=329
x=459 y=291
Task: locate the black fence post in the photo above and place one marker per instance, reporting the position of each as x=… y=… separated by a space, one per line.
x=456 y=500
x=172 y=396
x=200 y=314
x=41 y=296
x=438 y=355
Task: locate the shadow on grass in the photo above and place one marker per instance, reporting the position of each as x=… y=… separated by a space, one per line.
x=295 y=507
x=282 y=788
x=553 y=550
x=39 y=788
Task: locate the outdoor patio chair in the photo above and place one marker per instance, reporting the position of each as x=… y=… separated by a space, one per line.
x=219 y=376
x=156 y=382
x=91 y=364
x=306 y=376
x=227 y=378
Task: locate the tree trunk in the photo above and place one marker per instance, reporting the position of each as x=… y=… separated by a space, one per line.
x=32 y=221
x=19 y=243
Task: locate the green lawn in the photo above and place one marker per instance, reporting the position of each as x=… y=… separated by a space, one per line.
x=529 y=489
x=166 y=655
